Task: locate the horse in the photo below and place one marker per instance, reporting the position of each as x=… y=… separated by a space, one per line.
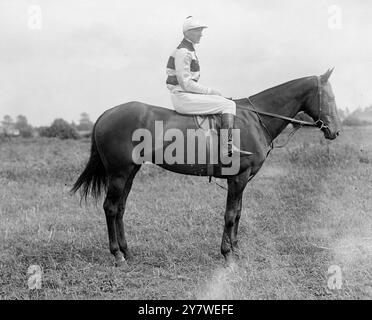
x=111 y=167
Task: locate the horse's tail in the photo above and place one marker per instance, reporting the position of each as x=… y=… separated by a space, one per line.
x=94 y=177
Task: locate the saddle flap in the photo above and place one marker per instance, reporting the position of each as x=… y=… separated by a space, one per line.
x=208 y=122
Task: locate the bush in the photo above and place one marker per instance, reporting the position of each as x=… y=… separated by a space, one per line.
x=59 y=129
x=323 y=156
x=25 y=129
x=26 y=132
x=353 y=121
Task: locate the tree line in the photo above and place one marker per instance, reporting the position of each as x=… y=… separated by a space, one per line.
x=59 y=128
x=359 y=117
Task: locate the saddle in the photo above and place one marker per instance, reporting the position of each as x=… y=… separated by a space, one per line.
x=210 y=122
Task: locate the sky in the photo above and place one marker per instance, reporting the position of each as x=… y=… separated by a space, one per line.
x=61 y=58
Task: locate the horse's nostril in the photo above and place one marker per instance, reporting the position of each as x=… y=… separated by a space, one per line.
x=338 y=133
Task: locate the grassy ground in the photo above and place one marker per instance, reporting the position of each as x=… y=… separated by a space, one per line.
x=309 y=208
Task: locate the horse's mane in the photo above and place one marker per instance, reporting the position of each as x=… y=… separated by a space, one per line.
x=278 y=87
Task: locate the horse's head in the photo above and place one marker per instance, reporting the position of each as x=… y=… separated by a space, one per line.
x=321 y=106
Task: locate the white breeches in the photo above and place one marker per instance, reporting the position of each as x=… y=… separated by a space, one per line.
x=194 y=103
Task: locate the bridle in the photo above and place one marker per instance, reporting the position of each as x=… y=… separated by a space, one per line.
x=318 y=123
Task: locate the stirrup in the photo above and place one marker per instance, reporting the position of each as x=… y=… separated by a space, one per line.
x=236 y=150
x=242 y=152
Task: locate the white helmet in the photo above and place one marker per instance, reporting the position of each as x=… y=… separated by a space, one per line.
x=192 y=23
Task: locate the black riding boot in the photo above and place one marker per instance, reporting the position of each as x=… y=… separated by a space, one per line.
x=228 y=147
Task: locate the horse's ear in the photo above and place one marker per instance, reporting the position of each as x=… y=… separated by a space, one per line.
x=324 y=77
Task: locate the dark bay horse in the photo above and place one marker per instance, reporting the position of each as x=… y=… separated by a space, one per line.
x=111 y=167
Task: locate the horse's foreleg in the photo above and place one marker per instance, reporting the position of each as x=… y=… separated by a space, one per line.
x=234 y=239
x=229 y=242
x=111 y=207
x=119 y=218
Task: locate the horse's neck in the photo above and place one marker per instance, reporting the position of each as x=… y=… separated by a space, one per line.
x=285 y=100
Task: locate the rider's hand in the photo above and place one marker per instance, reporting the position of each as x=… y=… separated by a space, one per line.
x=214 y=92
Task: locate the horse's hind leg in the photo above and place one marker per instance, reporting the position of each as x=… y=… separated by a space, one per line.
x=111 y=205
x=119 y=218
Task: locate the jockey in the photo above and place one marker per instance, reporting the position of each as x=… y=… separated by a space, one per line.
x=190 y=97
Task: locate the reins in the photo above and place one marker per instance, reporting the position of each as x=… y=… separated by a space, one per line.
x=278 y=116
x=274 y=115
x=318 y=124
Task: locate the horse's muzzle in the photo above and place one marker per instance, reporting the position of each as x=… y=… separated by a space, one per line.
x=328 y=134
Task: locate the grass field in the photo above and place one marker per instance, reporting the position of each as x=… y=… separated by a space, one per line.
x=308 y=209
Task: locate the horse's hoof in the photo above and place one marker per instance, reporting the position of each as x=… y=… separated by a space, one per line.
x=120 y=261
x=128 y=256
x=229 y=260
x=237 y=253
x=121 y=264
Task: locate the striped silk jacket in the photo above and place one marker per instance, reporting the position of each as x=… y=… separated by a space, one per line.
x=183 y=70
